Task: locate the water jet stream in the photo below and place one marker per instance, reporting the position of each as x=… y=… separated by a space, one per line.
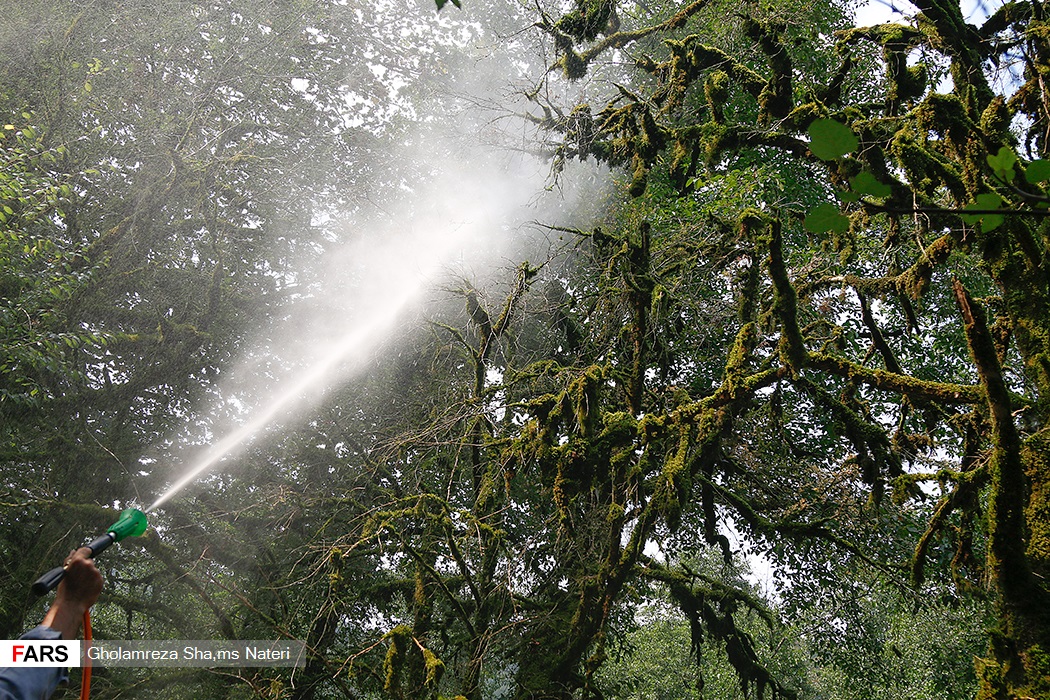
x=292 y=395
x=399 y=290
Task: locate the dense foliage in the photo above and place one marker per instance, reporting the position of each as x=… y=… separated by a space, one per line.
x=806 y=329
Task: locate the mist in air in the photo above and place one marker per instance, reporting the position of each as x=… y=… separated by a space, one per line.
x=470 y=206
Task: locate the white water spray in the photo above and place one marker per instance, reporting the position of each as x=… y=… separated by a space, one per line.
x=352 y=343
x=398 y=275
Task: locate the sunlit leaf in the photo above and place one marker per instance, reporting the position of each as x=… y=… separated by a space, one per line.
x=1003 y=162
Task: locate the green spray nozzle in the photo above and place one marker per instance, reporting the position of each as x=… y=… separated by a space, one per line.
x=131 y=523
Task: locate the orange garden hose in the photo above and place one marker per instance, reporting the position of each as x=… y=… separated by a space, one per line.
x=85 y=671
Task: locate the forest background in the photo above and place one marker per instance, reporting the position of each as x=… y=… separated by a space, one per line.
x=721 y=368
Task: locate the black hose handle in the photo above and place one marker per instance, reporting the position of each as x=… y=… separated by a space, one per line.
x=48 y=581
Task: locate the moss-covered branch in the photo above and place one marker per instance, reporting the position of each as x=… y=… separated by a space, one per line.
x=917 y=390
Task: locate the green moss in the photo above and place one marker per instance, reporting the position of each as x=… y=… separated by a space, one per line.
x=588 y=20
x=716 y=90
x=739 y=354
x=395 y=658
x=1036 y=458
x=792 y=348
x=995 y=119
x=914 y=281
x=717 y=139
x=674 y=481
x=946 y=115
x=896 y=37
x=1037 y=667
x=435 y=668
x=639 y=176
x=926 y=169
x=573 y=65
x=679 y=163
x=990 y=682
x=775 y=99
x=652 y=426
x=583 y=398
x=618 y=429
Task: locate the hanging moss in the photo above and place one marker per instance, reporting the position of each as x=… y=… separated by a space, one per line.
x=995 y=120
x=435 y=668
x=589 y=19
x=674 y=481
x=679 y=161
x=716 y=91
x=400 y=639
x=583 y=394
x=719 y=139
x=739 y=355
x=905 y=84
x=947 y=116
x=639 y=176
x=792 y=347
x=710 y=614
x=679 y=73
x=990 y=682
x=927 y=170
x=573 y=65
x=708 y=57
x=775 y=100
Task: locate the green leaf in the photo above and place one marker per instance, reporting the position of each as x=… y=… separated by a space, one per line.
x=986 y=200
x=441 y=3
x=866 y=183
x=826 y=217
x=829 y=139
x=1003 y=162
x=1037 y=171
x=990 y=222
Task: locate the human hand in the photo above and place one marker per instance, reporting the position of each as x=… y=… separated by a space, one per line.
x=78 y=591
